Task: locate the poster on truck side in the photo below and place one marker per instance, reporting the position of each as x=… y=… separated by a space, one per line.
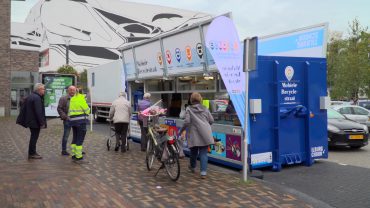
x=56 y=86
x=148 y=60
x=184 y=53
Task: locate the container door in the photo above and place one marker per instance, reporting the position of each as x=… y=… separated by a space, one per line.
x=292 y=112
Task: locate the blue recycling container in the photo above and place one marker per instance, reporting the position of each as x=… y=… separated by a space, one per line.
x=291 y=127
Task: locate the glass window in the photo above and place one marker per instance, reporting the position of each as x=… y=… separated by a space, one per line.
x=345 y=110
x=184 y=83
x=204 y=83
x=222 y=87
x=364 y=104
x=196 y=83
x=360 y=111
x=13 y=99
x=24 y=77
x=159 y=85
x=332 y=114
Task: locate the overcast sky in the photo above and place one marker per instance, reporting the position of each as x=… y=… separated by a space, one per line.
x=260 y=17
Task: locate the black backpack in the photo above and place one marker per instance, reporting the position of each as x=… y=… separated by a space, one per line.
x=21 y=119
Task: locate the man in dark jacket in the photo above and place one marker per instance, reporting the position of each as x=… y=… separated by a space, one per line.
x=33 y=116
x=63 y=107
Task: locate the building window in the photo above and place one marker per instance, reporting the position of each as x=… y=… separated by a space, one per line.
x=44 y=58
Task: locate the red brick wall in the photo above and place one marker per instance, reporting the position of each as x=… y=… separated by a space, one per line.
x=21 y=60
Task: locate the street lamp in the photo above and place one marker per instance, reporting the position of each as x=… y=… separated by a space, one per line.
x=67 y=40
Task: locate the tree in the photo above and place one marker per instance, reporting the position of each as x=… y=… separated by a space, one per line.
x=83 y=79
x=348 y=64
x=67 y=69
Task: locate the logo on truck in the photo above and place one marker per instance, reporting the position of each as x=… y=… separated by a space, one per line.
x=200 y=50
x=178 y=54
x=188 y=53
x=159 y=58
x=168 y=56
x=289 y=72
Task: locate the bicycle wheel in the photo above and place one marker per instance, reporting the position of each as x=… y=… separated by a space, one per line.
x=172 y=164
x=150 y=154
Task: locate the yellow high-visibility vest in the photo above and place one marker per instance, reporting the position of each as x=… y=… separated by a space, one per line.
x=78 y=105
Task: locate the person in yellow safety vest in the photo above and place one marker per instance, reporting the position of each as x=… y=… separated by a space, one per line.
x=78 y=114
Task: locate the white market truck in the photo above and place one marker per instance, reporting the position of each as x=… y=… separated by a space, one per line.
x=105 y=82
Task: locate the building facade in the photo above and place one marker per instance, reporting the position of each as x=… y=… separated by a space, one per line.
x=18 y=68
x=89 y=35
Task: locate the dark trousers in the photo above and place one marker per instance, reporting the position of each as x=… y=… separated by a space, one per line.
x=79 y=133
x=144 y=139
x=35 y=132
x=121 y=134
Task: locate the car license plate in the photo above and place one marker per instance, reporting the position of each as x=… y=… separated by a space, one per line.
x=356 y=136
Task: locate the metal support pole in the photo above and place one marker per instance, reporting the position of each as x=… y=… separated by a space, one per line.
x=67 y=40
x=67 y=54
x=246 y=130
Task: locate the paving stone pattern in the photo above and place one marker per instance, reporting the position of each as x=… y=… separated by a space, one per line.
x=113 y=179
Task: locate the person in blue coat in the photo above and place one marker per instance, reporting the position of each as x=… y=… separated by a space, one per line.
x=32 y=116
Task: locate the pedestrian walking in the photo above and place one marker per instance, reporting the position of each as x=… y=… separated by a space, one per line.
x=120 y=114
x=32 y=116
x=78 y=117
x=197 y=123
x=143 y=121
x=63 y=107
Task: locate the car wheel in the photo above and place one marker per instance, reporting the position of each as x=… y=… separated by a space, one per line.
x=97 y=118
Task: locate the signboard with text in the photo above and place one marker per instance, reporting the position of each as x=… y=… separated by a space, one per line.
x=56 y=86
x=223 y=43
x=305 y=42
x=149 y=61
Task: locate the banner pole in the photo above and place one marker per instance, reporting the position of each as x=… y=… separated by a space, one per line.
x=246 y=131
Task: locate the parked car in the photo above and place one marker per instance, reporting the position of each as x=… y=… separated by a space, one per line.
x=364 y=104
x=345 y=132
x=354 y=112
x=338 y=102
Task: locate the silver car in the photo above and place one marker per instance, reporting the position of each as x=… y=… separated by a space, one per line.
x=355 y=113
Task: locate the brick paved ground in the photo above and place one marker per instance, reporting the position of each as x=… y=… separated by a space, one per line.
x=113 y=179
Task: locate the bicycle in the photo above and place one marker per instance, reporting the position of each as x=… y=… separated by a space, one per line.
x=162 y=147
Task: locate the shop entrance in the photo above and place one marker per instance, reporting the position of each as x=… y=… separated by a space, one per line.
x=17 y=97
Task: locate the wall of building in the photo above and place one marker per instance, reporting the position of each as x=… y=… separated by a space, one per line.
x=22 y=60
x=4 y=57
x=11 y=59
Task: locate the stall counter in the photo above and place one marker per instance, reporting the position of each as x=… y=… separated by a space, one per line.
x=227 y=149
